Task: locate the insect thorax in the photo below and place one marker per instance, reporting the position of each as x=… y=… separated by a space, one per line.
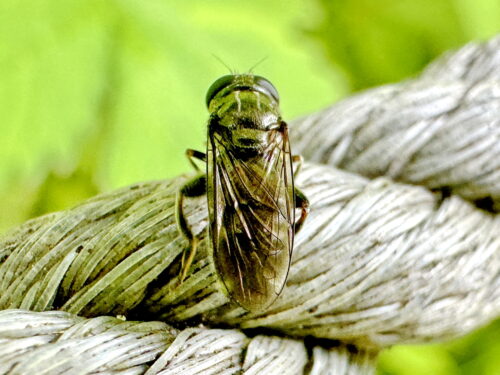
x=245 y=121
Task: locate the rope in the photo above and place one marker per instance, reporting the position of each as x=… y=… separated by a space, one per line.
x=57 y=342
x=377 y=263
x=441 y=130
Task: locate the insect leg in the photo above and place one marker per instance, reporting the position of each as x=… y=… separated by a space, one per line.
x=298 y=159
x=193 y=154
x=301 y=202
x=192 y=188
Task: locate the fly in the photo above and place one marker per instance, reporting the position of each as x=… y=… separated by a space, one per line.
x=250 y=191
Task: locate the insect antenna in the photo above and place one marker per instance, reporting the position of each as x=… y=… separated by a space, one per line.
x=250 y=71
x=231 y=71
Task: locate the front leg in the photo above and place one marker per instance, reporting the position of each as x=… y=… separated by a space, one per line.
x=301 y=202
x=195 y=187
x=193 y=154
x=282 y=127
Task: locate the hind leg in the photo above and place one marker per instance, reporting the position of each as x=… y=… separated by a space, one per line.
x=193 y=188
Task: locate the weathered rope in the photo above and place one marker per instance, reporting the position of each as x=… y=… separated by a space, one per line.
x=57 y=342
x=441 y=130
x=377 y=263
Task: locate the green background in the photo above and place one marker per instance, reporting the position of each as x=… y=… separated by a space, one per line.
x=99 y=94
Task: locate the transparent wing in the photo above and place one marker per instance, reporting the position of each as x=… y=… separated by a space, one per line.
x=251 y=204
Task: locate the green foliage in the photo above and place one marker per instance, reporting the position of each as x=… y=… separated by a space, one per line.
x=99 y=94
x=475 y=354
x=117 y=88
x=417 y=360
x=375 y=42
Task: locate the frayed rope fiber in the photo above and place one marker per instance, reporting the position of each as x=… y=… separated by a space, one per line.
x=404 y=258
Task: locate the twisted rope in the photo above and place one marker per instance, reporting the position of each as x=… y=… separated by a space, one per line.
x=378 y=262
x=57 y=342
x=439 y=131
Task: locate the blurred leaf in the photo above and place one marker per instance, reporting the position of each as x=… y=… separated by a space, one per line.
x=51 y=65
x=58 y=192
x=475 y=354
x=121 y=84
x=480 y=19
x=389 y=40
x=165 y=64
x=479 y=352
x=416 y=360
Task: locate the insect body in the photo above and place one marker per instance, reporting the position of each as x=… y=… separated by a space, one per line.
x=250 y=190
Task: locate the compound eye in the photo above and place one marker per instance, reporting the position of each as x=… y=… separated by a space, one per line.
x=268 y=87
x=217 y=86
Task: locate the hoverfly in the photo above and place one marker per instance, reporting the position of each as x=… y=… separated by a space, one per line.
x=249 y=186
